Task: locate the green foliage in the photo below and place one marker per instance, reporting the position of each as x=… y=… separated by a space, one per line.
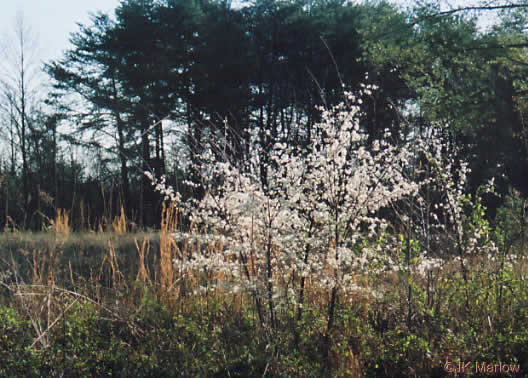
x=209 y=336
x=15 y=336
x=512 y=220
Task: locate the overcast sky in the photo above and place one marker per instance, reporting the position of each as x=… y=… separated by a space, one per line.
x=51 y=20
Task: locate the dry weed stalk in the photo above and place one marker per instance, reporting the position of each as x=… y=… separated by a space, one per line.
x=168 y=246
x=118 y=279
x=61 y=224
x=10 y=225
x=353 y=365
x=37 y=299
x=143 y=274
x=119 y=224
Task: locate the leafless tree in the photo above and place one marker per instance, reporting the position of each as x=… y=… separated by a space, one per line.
x=19 y=93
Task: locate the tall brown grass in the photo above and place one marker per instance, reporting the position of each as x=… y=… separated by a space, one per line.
x=119 y=224
x=61 y=224
x=168 y=252
x=143 y=274
x=111 y=262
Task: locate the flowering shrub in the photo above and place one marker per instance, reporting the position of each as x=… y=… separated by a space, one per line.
x=328 y=215
x=316 y=216
x=453 y=224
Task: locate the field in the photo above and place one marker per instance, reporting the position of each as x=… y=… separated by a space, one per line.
x=112 y=303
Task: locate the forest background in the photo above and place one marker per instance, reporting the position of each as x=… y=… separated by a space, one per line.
x=152 y=86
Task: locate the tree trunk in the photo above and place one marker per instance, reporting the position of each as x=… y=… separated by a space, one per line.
x=145 y=184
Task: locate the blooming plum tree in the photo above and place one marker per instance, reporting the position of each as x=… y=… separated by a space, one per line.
x=325 y=213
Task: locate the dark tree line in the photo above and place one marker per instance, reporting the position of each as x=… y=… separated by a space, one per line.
x=204 y=74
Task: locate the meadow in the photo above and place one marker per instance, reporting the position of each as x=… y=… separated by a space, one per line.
x=115 y=303
x=353 y=258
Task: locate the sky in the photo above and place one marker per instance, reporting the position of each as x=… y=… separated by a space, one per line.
x=51 y=21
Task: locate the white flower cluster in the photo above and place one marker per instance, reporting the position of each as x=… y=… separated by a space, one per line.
x=426 y=265
x=319 y=214
x=450 y=214
x=161 y=186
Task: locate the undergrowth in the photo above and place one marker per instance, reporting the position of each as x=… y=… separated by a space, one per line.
x=59 y=317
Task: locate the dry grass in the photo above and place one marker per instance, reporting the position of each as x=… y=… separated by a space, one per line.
x=168 y=247
x=53 y=285
x=61 y=224
x=143 y=274
x=111 y=263
x=119 y=224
